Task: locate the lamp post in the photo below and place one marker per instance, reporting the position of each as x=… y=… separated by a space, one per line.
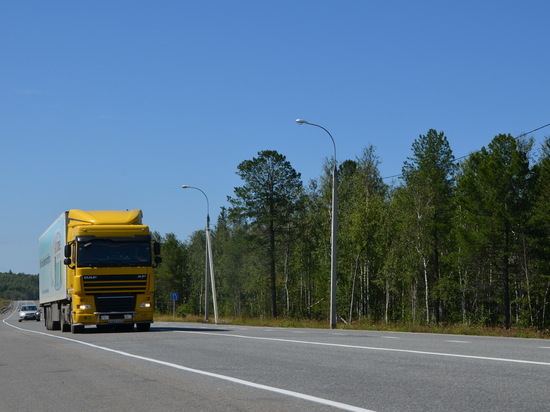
x=209 y=267
x=334 y=229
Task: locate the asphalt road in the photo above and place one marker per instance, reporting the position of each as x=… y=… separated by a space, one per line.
x=194 y=367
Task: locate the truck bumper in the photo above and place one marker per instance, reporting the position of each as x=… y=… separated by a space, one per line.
x=112 y=318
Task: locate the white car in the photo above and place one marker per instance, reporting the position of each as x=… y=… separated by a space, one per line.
x=29 y=312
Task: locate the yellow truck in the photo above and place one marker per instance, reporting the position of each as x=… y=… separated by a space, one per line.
x=96 y=268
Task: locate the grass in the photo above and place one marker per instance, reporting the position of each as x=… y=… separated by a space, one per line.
x=4 y=303
x=454 y=329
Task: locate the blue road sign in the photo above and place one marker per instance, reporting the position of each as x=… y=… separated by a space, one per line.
x=174 y=296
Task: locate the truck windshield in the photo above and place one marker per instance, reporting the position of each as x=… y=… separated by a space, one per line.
x=113 y=253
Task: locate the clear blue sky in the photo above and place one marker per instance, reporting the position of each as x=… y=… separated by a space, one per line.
x=116 y=104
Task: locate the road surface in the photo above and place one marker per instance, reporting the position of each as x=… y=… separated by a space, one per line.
x=197 y=367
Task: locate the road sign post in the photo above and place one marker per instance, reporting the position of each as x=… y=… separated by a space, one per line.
x=173 y=298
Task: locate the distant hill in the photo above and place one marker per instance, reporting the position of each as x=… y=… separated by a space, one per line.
x=18 y=286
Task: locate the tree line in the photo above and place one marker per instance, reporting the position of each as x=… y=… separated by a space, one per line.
x=452 y=241
x=18 y=286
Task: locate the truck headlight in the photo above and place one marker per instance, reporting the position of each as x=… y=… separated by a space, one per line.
x=145 y=305
x=83 y=307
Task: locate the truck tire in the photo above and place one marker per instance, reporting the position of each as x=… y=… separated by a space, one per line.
x=65 y=327
x=48 y=317
x=128 y=327
x=77 y=328
x=56 y=325
x=143 y=327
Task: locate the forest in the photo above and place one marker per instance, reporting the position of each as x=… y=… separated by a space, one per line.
x=18 y=286
x=450 y=241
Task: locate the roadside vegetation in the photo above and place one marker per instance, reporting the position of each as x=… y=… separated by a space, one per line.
x=457 y=329
x=462 y=242
x=4 y=305
x=18 y=286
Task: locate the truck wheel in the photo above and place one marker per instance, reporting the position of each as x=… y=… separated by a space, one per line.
x=65 y=327
x=128 y=327
x=56 y=324
x=143 y=327
x=77 y=328
x=48 y=318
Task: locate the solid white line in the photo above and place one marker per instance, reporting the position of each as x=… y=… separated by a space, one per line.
x=458 y=341
x=293 y=394
x=452 y=355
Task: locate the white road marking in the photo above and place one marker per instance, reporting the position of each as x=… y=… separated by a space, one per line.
x=373 y=348
x=293 y=394
x=458 y=341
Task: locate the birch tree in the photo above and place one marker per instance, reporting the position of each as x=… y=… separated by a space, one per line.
x=428 y=179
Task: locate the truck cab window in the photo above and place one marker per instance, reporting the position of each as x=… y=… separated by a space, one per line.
x=112 y=253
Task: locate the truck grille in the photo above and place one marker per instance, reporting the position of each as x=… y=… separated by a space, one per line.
x=115 y=303
x=114 y=283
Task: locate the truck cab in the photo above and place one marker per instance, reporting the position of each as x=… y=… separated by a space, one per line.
x=106 y=275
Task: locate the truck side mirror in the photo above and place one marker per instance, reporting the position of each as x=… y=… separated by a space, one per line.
x=67 y=251
x=67 y=261
x=156 y=248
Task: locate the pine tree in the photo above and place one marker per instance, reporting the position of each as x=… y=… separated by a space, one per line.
x=429 y=188
x=540 y=234
x=268 y=200
x=493 y=192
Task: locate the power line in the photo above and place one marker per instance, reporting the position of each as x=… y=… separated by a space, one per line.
x=534 y=130
x=463 y=157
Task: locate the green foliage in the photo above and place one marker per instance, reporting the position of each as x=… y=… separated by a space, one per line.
x=172 y=275
x=450 y=245
x=494 y=200
x=362 y=239
x=425 y=219
x=539 y=223
x=266 y=204
x=18 y=286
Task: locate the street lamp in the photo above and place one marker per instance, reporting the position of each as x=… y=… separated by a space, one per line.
x=209 y=267
x=334 y=229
